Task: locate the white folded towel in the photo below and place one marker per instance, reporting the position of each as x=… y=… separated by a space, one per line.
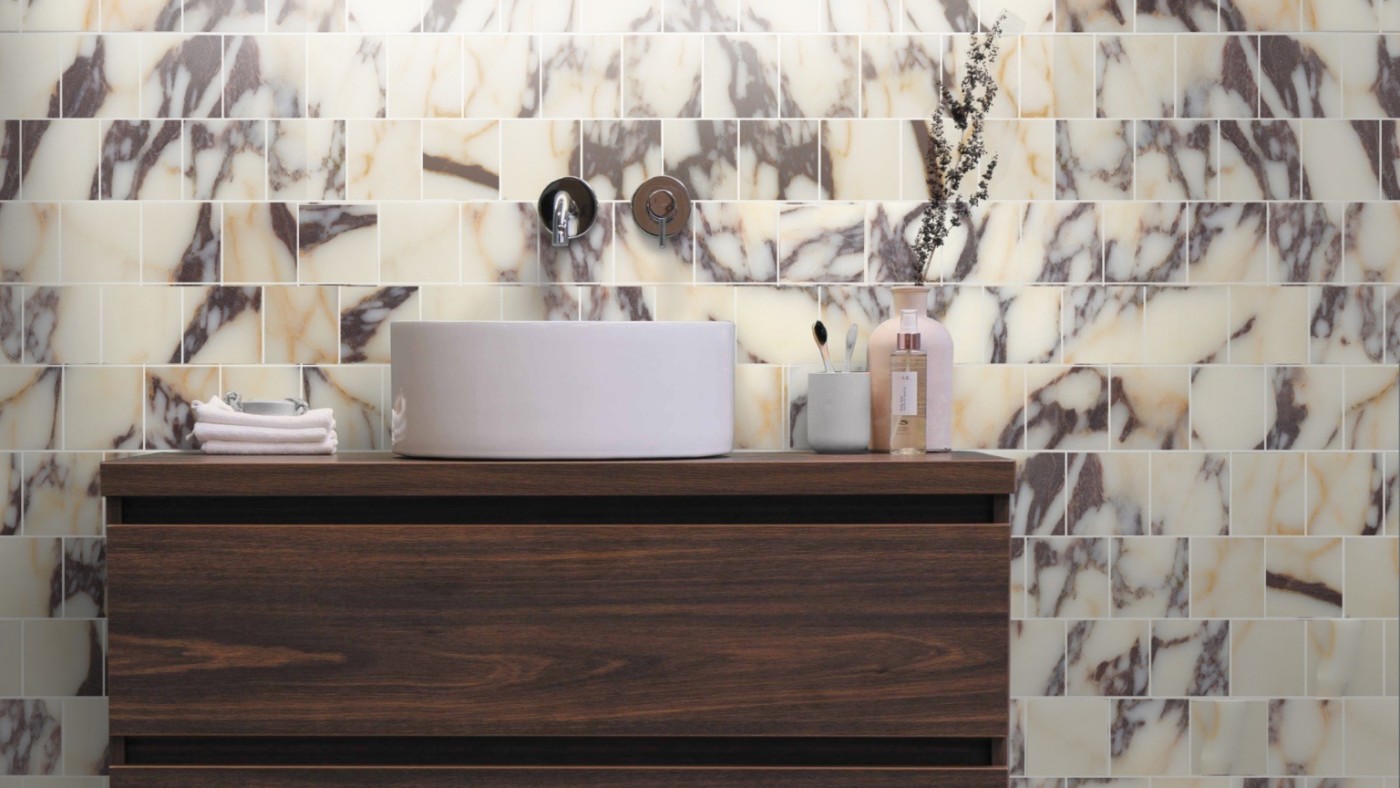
x=218 y=412
x=326 y=446
x=230 y=432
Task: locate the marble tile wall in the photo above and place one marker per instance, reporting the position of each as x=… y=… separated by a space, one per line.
x=1180 y=312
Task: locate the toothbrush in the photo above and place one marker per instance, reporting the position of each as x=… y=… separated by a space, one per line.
x=850 y=348
x=819 y=334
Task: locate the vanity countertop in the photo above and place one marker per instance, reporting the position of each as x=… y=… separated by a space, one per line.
x=385 y=474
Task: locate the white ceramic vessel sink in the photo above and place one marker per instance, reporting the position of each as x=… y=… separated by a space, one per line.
x=562 y=390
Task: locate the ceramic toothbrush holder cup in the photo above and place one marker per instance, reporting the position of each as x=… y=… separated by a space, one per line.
x=838 y=412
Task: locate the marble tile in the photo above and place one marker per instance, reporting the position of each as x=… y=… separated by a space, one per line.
x=1253 y=15
x=85 y=736
x=306 y=159
x=1392 y=497
x=461 y=159
x=1107 y=658
x=365 y=314
x=1304 y=577
x=501 y=76
x=1103 y=325
x=1269 y=325
x=1301 y=76
x=1369 y=89
x=586 y=259
x=372 y=16
x=31 y=413
x=1346 y=325
x=764 y=315
x=1372 y=245
x=821 y=243
x=31 y=249
x=1227 y=578
x=181 y=242
x=736 y=242
x=1038 y=506
x=1267 y=494
x=1340 y=159
x=628 y=16
x=338 y=244
x=539 y=16
x=1268 y=658
x=1129 y=70
x=265 y=76
x=1150 y=737
x=262 y=382
x=1194 y=16
x=499 y=242
x=1190 y=658
x=1346 y=15
x=1373 y=418
x=1144 y=242
x=758 y=407
x=1306 y=408
x=384 y=159
x=1036 y=90
x=259 y=243
x=140 y=324
x=639 y=257
x=355 y=393
x=551 y=302
x=1037 y=658
x=779 y=160
x=1095 y=160
x=1068 y=577
x=1306 y=241
x=819 y=76
x=689 y=302
x=1226 y=412
x=101 y=242
x=300 y=325
x=60 y=497
x=64 y=657
x=1217 y=76
x=60 y=159
x=535 y=153
x=989 y=245
x=1149 y=407
x=1345 y=658
x=419 y=242
x=619 y=156
x=32 y=66
x=169 y=394
x=1190 y=494
x=304 y=16
x=703 y=154
x=1175 y=160
x=182 y=76
x=646 y=93
x=1066 y=736
x=472 y=302
x=1305 y=737
x=895 y=73
x=59 y=15
x=346 y=77
x=581 y=76
x=741 y=77
x=1151 y=577
x=223 y=325
x=460 y=16
x=1066 y=408
x=1005 y=70
x=1062 y=242
x=1020 y=325
x=1074 y=73
x=1186 y=325
x=1229 y=737
x=33 y=744
x=225 y=160
x=140 y=160
x=1026 y=163
x=1260 y=159
x=1108 y=494
x=102 y=408
x=60 y=325
x=1373 y=737
x=699 y=16
x=217 y=16
x=11 y=656
x=1372 y=576
x=102 y=76
x=610 y=303
x=425 y=76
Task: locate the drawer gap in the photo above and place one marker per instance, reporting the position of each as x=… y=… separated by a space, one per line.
x=584 y=751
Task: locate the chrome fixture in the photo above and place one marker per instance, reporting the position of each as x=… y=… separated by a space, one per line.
x=661 y=206
x=567 y=207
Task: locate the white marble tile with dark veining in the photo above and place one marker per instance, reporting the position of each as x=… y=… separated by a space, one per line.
x=534 y=153
x=500 y=243
x=337 y=244
x=347 y=77
x=1149 y=407
x=948 y=16
x=58 y=325
x=1151 y=577
x=1005 y=70
x=365 y=315
x=1190 y=658
x=1191 y=494
x=460 y=16
x=1269 y=325
x=101 y=77
x=704 y=155
x=779 y=160
x=225 y=160
x=653 y=68
x=1306 y=242
x=1228 y=243
x=223 y=325
x=1266 y=494
x=1186 y=325
x=461 y=159
x=639 y=258
x=1305 y=736
x=1372 y=408
x=613 y=303
x=1144 y=242
x=1176 y=160
x=168 y=397
x=1150 y=737
x=306 y=159
x=355 y=393
x=60 y=159
x=1341 y=160
x=895 y=73
x=1102 y=325
x=182 y=76
x=1301 y=76
x=1129 y=80
x=1371 y=245
x=998 y=325
x=741 y=76
x=1066 y=408
x=820 y=76
x=59 y=495
x=821 y=243
x=588 y=259
x=1254 y=15
x=301 y=325
x=763 y=315
x=1217 y=76
x=259 y=243
x=1037 y=657
x=1347 y=325
x=1067 y=577
x=1038 y=506
x=987 y=246
x=1345 y=493
x=1093 y=16
x=264 y=76
x=35 y=733
x=501 y=76
x=1305 y=408
x=1227 y=407
x=1304 y=577
x=1094 y=160
x=1260 y=159
x=618 y=156
x=384 y=159
x=182 y=242
x=581 y=76
x=860 y=160
x=1108 y=493
x=1062 y=242
x=140 y=160
x=699 y=16
x=424 y=76
x=736 y=242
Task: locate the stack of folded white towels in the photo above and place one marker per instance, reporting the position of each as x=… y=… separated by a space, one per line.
x=223 y=430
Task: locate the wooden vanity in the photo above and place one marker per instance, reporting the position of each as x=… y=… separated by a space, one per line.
x=368 y=620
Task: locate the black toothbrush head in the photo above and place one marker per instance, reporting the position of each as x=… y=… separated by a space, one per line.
x=819 y=331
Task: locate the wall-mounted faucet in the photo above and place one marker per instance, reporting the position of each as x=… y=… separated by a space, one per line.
x=567 y=208
x=661 y=207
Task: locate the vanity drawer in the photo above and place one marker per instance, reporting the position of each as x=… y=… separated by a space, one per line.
x=321 y=777
x=558 y=630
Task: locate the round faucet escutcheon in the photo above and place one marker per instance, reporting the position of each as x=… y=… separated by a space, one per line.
x=661 y=207
x=567 y=209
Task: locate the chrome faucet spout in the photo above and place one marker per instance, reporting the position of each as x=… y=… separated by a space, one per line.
x=564 y=213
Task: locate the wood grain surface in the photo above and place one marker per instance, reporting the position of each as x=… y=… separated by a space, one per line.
x=783 y=630
x=383 y=474
x=175 y=777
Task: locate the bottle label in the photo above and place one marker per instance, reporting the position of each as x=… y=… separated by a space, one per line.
x=904 y=393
